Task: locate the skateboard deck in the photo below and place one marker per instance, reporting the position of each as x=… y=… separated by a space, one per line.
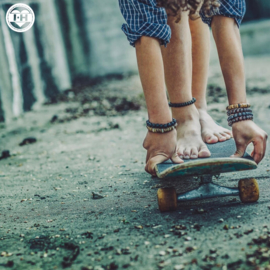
x=219 y=162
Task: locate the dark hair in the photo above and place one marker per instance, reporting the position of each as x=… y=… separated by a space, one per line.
x=174 y=7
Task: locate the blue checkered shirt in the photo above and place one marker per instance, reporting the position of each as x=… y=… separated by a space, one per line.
x=144 y=18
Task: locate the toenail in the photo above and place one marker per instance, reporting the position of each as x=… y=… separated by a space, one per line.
x=187 y=157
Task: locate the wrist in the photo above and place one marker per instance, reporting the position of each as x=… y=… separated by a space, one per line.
x=160 y=116
x=237 y=101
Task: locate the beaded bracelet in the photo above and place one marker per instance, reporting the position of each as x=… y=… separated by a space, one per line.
x=161 y=128
x=178 y=105
x=238 y=119
x=233 y=116
x=152 y=125
x=240 y=110
x=240 y=105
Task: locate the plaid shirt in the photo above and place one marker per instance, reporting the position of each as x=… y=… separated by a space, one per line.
x=144 y=18
x=235 y=9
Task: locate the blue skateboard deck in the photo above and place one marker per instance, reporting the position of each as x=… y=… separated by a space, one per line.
x=219 y=162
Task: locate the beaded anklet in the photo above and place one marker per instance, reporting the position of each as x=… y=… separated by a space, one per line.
x=161 y=128
x=178 y=105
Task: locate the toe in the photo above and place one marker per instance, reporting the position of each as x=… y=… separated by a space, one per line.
x=187 y=153
x=209 y=138
x=180 y=152
x=228 y=132
x=194 y=152
x=227 y=136
x=204 y=152
x=220 y=137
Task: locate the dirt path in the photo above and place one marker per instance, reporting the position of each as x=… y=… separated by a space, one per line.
x=49 y=219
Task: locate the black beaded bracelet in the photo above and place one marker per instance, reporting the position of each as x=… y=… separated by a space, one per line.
x=178 y=105
x=240 y=110
x=239 y=115
x=238 y=119
x=161 y=126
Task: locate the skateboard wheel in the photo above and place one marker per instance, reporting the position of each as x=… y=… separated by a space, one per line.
x=248 y=190
x=167 y=200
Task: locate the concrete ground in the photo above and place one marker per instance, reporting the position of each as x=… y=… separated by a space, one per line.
x=50 y=220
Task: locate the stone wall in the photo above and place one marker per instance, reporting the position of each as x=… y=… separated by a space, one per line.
x=33 y=64
x=257 y=10
x=74 y=41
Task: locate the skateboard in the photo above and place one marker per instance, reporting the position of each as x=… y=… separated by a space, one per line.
x=205 y=169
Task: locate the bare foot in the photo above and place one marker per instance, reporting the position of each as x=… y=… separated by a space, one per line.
x=189 y=140
x=212 y=132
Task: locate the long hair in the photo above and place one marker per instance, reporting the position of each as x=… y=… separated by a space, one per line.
x=174 y=7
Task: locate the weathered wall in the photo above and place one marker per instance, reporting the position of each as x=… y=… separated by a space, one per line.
x=257 y=10
x=109 y=50
x=73 y=41
x=33 y=64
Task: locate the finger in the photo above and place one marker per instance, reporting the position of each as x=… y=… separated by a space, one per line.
x=147 y=156
x=152 y=162
x=259 y=150
x=240 y=149
x=176 y=159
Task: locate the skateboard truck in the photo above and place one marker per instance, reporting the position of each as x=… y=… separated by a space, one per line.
x=206 y=190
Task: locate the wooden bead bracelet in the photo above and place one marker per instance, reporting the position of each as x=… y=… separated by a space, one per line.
x=240 y=105
x=239 y=112
x=161 y=128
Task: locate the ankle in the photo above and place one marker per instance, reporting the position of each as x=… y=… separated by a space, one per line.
x=201 y=106
x=185 y=113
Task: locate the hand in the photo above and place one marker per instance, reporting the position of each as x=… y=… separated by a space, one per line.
x=245 y=132
x=160 y=147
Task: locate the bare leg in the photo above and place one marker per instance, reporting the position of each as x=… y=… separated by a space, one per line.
x=151 y=71
x=160 y=147
x=211 y=132
x=228 y=41
x=178 y=74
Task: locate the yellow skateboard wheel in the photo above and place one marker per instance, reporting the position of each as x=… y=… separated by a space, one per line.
x=248 y=190
x=167 y=200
